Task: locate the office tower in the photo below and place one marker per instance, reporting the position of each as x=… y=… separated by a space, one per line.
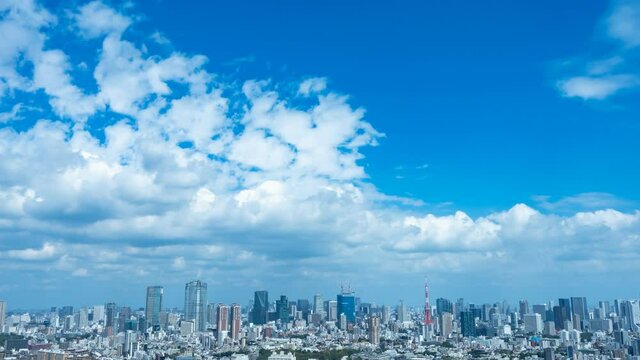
x=110 y=316
x=260 y=310
x=236 y=322
x=83 y=318
x=342 y=323
x=222 y=318
x=98 y=314
x=467 y=324
x=374 y=330
x=123 y=314
x=540 y=309
x=282 y=309
x=153 y=305
x=3 y=311
x=443 y=306
x=533 y=323
x=346 y=302
x=566 y=303
x=427 y=306
x=560 y=315
x=318 y=305
x=212 y=313
x=579 y=307
x=195 y=304
x=523 y=307
x=447 y=324
x=66 y=311
x=292 y=310
x=386 y=314
x=605 y=309
x=460 y=307
x=401 y=312
x=630 y=314
x=332 y=310
x=304 y=306
x=486 y=312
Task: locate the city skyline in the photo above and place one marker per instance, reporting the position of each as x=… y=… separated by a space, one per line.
x=491 y=147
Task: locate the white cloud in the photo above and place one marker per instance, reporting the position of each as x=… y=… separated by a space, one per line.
x=312 y=86
x=623 y=23
x=597 y=88
x=95 y=19
x=237 y=183
x=47 y=251
x=603 y=78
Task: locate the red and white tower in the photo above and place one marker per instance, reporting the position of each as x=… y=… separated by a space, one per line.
x=427 y=308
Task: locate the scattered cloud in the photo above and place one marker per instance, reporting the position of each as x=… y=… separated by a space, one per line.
x=603 y=78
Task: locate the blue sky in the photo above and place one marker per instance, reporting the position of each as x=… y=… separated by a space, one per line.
x=261 y=145
x=467 y=88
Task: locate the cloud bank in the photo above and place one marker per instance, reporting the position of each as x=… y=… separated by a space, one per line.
x=186 y=176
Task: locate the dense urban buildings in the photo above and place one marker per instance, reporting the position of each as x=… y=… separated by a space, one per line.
x=347 y=326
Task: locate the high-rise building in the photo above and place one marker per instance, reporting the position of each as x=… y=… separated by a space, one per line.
x=110 y=316
x=579 y=307
x=98 y=314
x=332 y=310
x=443 y=306
x=83 y=318
x=236 y=322
x=282 y=309
x=467 y=324
x=195 y=304
x=386 y=314
x=401 y=312
x=540 y=309
x=318 y=305
x=374 y=330
x=260 y=312
x=524 y=307
x=605 y=309
x=153 y=305
x=446 y=327
x=3 y=311
x=304 y=307
x=222 y=318
x=346 y=302
x=533 y=323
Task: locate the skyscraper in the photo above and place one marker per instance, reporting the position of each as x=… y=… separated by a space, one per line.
x=282 y=309
x=579 y=307
x=3 y=309
x=222 y=318
x=443 y=305
x=318 y=306
x=346 y=302
x=236 y=322
x=195 y=304
x=401 y=312
x=524 y=308
x=154 y=306
x=374 y=330
x=304 y=307
x=260 y=312
x=467 y=324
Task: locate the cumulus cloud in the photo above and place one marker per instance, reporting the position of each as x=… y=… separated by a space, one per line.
x=192 y=177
